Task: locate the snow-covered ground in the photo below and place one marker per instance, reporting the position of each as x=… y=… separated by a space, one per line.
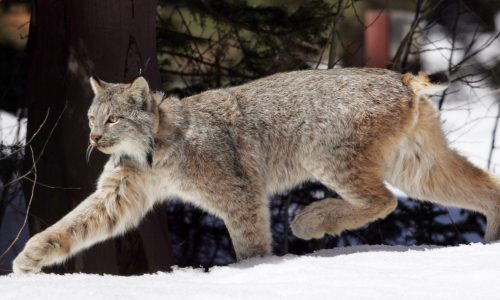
x=375 y=272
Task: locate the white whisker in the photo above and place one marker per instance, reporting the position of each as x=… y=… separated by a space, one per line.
x=88 y=152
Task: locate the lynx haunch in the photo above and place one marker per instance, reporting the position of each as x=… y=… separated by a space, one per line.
x=228 y=150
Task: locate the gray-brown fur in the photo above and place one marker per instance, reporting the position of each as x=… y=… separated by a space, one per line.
x=228 y=150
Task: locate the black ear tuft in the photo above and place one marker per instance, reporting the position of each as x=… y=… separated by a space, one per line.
x=439 y=78
x=145 y=67
x=96 y=78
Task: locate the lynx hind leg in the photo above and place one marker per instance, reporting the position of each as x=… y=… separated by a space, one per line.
x=449 y=179
x=424 y=167
x=364 y=199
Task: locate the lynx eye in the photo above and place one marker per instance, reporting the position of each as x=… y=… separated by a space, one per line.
x=91 y=121
x=113 y=119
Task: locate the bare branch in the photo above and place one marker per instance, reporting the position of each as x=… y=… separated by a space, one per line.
x=333 y=41
x=27 y=209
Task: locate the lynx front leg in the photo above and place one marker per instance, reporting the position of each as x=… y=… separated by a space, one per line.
x=250 y=230
x=117 y=206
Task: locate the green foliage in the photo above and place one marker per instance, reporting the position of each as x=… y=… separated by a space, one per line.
x=204 y=44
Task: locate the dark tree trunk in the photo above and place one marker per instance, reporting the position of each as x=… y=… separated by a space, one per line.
x=68 y=41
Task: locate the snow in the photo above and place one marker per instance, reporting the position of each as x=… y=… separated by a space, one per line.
x=11 y=130
x=362 y=272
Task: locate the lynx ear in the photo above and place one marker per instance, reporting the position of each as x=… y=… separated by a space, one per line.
x=96 y=84
x=139 y=91
x=139 y=87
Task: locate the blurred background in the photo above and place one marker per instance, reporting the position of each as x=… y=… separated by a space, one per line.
x=49 y=48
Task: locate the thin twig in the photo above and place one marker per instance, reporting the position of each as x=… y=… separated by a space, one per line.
x=333 y=41
x=50 y=186
x=43 y=147
x=27 y=209
x=493 y=137
x=32 y=137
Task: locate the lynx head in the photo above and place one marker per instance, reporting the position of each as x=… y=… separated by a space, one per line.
x=121 y=120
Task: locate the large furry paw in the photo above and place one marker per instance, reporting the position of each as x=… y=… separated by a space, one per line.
x=38 y=252
x=25 y=264
x=309 y=223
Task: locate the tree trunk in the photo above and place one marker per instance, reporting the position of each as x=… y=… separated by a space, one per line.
x=68 y=41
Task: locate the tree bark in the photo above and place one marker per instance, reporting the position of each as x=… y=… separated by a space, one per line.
x=70 y=40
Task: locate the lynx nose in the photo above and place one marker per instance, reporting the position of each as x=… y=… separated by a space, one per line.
x=94 y=137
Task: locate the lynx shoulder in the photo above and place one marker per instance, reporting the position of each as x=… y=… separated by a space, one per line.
x=228 y=150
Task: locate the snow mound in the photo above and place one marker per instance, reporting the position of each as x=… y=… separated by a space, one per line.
x=362 y=272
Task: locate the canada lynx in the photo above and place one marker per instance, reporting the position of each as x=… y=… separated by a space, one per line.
x=228 y=150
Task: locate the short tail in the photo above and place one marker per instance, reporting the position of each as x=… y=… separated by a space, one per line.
x=423 y=84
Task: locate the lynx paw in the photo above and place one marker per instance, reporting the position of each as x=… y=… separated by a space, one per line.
x=308 y=224
x=38 y=252
x=25 y=264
